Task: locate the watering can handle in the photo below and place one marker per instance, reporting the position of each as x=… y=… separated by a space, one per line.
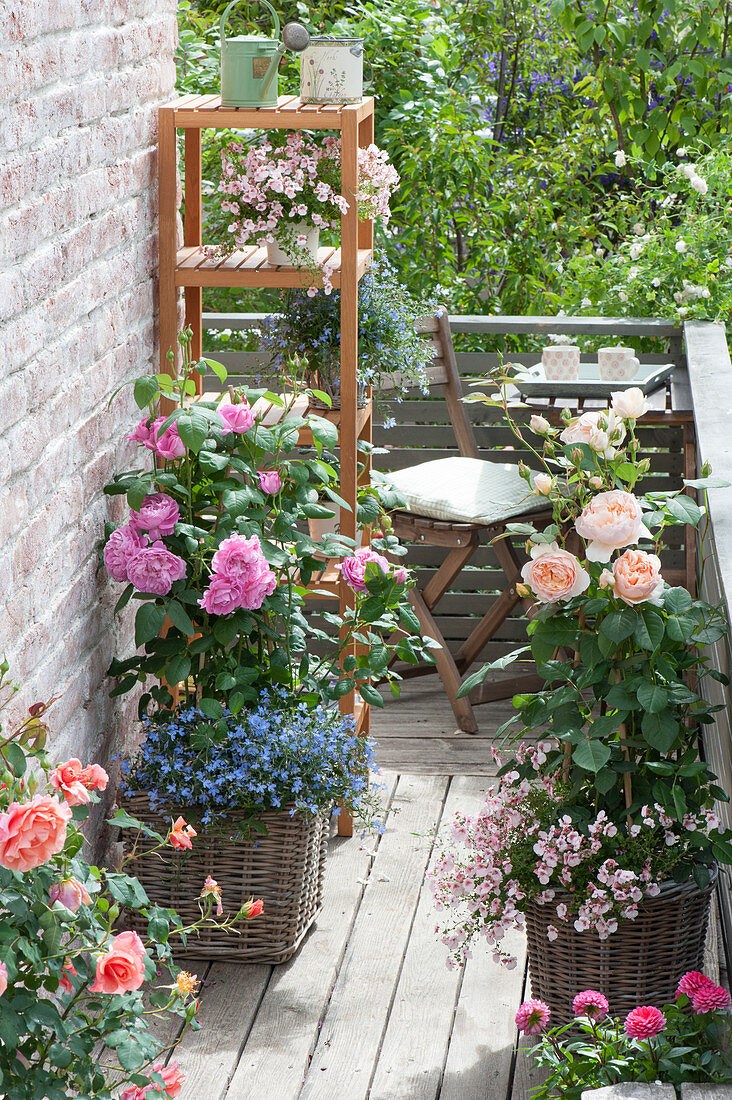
x=233 y=4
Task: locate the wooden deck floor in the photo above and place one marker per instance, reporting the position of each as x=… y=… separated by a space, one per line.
x=367 y=1009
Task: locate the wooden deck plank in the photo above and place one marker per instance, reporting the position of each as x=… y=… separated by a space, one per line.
x=415 y=1045
x=275 y=1057
x=348 y=1048
x=527 y=1075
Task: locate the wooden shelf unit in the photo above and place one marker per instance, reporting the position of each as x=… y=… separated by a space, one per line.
x=188 y=268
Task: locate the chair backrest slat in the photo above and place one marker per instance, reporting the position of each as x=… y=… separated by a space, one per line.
x=443 y=371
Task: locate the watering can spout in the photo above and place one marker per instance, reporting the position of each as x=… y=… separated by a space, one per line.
x=273 y=67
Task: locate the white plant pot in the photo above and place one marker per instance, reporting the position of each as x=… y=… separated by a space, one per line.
x=276 y=255
x=320 y=526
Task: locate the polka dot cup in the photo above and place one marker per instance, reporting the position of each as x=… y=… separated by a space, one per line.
x=561 y=363
x=617 y=364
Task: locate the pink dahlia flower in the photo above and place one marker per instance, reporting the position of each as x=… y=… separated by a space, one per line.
x=236 y=418
x=709 y=997
x=532 y=1017
x=158 y=515
x=353 y=569
x=644 y=1022
x=154 y=569
x=590 y=1003
x=121 y=548
x=692 y=981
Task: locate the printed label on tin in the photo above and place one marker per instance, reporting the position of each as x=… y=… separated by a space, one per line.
x=259 y=67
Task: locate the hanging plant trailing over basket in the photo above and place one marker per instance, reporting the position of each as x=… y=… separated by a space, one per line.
x=611 y=799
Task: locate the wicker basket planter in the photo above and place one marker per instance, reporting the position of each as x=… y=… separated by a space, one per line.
x=639 y=964
x=285 y=868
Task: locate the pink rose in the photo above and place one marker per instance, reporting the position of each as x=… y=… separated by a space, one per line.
x=638 y=577
x=554 y=574
x=158 y=515
x=70 y=892
x=691 y=982
x=153 y=569
x=236 y=556
x=122 y=545
x=532 y=1017
x=222 y=596
x=75 y=782
x=32 y=832
x=169 y=445
x=590 y=1003
x=710 y=997
x=122 y=968
x=173 y=1083
x=240 y=577
x=68 y=972
x=353 y=569
x=400 y=575
x=95 y=777
x=601 y=430
x=610 y=521
x=3 y=978
x=269 y=481
x=644 y=1022
x=236 y=418
x=141 y=433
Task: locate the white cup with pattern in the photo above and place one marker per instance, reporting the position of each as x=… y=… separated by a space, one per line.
x=617 y=364
x=561 y=362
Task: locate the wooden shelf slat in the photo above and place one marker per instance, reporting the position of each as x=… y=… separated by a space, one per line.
x=289 y=114
x=249 y=268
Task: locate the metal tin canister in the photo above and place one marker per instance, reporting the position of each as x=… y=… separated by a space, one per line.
x=331 y=71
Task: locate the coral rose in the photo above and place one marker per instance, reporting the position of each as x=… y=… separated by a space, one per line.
x=75 y=782
x=253 y=908
x=32 y=832
x=532 y=1017
x=236 y=418
x=690 y=983
x=173 y=1083
x=68 y=972
x=629 y=404
x=638 y=577
x=710 y=997
x=554 y=574
x=269 y=481
x=154 y=569
x=122 y=968
x=181 y=834
x=609 y=522
x=70 y=892
x=3 y=978
x=121 y=547
x=353 y=569
x=158 y=515
x=590 y=1003
x=644 y=1022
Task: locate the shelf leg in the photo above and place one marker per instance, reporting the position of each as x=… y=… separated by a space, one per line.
x=167 y=233
x=193 y=236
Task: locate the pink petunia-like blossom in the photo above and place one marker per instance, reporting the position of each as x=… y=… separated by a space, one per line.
x=690 y=983
x=122 y=545
x=158 y=515
x=532 y=1017
x=154 y=569
x=353 y=569
x=236 y=418
x=710 y=997
x=590 y=1003
x=167 y=445
x=644 y=1022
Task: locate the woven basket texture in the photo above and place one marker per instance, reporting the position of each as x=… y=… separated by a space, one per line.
x=285 y=869
x=640 y=964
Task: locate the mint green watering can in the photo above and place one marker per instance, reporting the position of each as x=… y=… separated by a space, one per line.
x=249 y=63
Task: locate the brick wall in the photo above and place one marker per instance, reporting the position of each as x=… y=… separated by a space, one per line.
x=82 y=80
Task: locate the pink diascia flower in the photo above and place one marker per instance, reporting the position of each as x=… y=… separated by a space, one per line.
x=70 y=892
x=154 y=569
x=691 y=981
x=236 y=418
x=609 y=522
x=122 y=545
x=269 y=481
x=353 y=569
x=3 y=978
x=75 y=782
x=644 y=1022
x=532 y=1017
x=122 y=968
x=32 y=832
x=590 y=1003
x=709 y=997
x=173 y=1083
x=158 y=515
x=554 y=574
x=637 y=577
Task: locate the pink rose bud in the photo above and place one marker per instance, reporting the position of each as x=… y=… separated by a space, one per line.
x=70 y=892
x=3 y=978
x=540 y=425
x=607 y=579
x=269 y=481
x=400 y=575
x=236 y=418
x=596 y=482
x=543 y=484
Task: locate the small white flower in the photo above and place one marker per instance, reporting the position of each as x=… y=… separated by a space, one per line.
x=633 y=272
x=665 y=203
x=682 y=311
x=655 y=281
x=636 y=249
x=681 y=151
x=623 y=296
x=599 y=252
x=681 y=245
x=639 y=229
x=689 y=170
x=620 y=159
x=586 y=303
x=699 y=184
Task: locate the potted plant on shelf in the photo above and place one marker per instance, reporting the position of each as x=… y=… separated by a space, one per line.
x=283 y=189
x=72 y=972
x=307 y=332
x=216 y=555
x=601 y=834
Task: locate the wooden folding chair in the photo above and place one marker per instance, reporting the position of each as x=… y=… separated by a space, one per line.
x=457 y=504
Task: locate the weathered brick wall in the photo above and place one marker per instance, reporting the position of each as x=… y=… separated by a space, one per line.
x=81 y=81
